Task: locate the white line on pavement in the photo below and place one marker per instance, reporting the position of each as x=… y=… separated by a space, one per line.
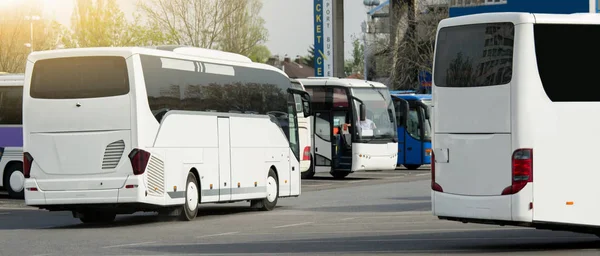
x=345 y=219
x=293 y=225
x=222 y=234
x=125 y=245
x=4 y=213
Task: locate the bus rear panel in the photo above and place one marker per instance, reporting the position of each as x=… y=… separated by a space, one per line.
x=511 y=126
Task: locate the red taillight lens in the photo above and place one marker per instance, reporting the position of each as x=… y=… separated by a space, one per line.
x=27 y=161
x=434 y=185
x=306 y=154
x=139 y=160
x=522 y=170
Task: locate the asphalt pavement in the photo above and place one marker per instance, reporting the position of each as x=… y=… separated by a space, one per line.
x=367 y=213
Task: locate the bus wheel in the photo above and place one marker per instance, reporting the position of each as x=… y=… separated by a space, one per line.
x=412 y=166
x=192 y=198
x=339 y=175
x=14 y=181
x=268 y=203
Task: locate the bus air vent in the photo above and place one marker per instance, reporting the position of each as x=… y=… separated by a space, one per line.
x=156 y=178
x=113 y=154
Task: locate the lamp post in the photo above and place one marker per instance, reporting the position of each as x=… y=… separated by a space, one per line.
x=31 y=19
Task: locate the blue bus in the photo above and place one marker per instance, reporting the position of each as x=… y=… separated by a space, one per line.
x=414 y=128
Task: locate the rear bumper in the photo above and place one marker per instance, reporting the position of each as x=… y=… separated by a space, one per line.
x=304 y=165
x=40 y=197
x=514 y=208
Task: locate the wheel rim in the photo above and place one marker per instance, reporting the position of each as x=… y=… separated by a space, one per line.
x=271 y=189
x=16 y=181
x=192 y=196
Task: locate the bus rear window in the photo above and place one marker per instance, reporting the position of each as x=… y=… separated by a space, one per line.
x=474 y=55
x=79 y=77
x=11 y=105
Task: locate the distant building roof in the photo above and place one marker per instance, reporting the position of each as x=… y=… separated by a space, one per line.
x=294 y=69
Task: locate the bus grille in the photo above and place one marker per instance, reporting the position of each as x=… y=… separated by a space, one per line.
x=156 y=178
x=113 y=154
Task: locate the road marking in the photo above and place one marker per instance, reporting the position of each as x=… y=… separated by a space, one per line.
x=345 y=219
x=125 y=245
x=222 y=234
x=422 y=174
x=4 y=213
x=293 y=225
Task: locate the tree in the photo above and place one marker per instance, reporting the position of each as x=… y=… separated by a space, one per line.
x=414 y=46
x=243 y=29
x=259 y=53
x=102 y=23
x=15 y=33
x=309 y=60
x=356 y=65
x=233 y=26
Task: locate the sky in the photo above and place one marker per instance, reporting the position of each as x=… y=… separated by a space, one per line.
x=289 y=22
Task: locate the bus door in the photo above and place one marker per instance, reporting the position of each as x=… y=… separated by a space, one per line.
x=415 y=135
x=342 y=158
x=401 y=107
x=323 y=140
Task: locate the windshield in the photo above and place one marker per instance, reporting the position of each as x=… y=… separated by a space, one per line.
x=380 y=119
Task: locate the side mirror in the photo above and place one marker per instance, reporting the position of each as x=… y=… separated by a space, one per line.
x=306 y=105
x=305 y=100
x=363 y=112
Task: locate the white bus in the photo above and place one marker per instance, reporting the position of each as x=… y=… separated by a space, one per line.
x=11 y=134
x=514 y=128
x=339 y=105
x=304 y=131
x=118 y=130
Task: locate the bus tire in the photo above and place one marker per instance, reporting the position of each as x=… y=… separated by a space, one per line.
x=339 y=175
x=268 y=203
x=192 y=198
x=412 y=166
x=14 y=173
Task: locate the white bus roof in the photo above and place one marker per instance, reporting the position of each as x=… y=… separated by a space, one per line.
x=521 y=18
x=12 y=79
x=344 y=82
x=181 y=52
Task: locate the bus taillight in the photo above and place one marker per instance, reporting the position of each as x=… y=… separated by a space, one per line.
x=434 y=185
x=139 y=160
x=27 y=161
x=522 y=171
x=306 y=154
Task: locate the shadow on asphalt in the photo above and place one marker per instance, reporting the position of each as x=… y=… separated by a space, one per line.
x=348 y=178
x=378 y=208
x=36 y=219
x=439 y=243
x=412 y=198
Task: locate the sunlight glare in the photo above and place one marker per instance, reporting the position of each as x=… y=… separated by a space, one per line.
x=7 y=3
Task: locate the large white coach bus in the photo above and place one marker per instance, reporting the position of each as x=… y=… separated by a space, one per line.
x=354 y=126
x=118 y=130
x=11 y=134
x=304 y=133
x=514 y=120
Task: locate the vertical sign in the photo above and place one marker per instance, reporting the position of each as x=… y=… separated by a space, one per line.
x=323 y=49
